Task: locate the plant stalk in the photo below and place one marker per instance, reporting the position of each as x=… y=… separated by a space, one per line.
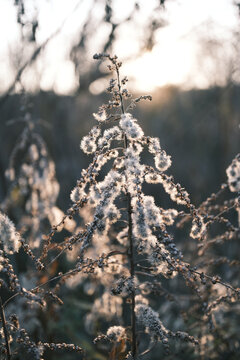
x=132 y=271
x=5 y=331
x=131 y=247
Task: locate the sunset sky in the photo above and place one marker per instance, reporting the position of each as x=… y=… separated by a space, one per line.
x=177 y=57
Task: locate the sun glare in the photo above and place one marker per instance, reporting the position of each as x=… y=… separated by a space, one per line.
x=169 y=63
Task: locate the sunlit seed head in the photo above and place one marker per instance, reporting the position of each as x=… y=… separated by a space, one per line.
x=233 y=174
x=9 y=238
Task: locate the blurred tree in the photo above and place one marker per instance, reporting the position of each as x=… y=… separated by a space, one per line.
x=29 y=49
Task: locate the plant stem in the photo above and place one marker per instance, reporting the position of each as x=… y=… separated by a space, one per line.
x=2 y=314
x=132 y=270
x=130 y=240
x=119 y=89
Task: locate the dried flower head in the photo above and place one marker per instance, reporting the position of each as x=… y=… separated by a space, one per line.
x=233 y=174
x=9 y=238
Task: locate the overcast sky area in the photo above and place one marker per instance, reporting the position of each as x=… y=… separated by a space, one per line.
x=181 y=56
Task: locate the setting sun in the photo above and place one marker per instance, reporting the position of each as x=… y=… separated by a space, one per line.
x=168 y=63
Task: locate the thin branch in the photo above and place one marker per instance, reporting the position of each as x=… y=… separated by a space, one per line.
x=147 y=351
x=70 y=272
x=5 y=331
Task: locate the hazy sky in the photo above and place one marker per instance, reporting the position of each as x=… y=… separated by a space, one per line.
x=176 y=58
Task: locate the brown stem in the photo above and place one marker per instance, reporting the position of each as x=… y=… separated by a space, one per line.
x=130 y=240
x=119 y=89
x=2 y=314
x=132 y=270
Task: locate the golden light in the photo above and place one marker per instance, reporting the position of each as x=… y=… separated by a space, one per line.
x=169 y=63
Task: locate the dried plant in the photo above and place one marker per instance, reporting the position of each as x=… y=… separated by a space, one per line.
x=31 y=202
x=217 y=248
x=122 y=243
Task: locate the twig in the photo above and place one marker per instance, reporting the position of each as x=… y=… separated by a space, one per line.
x=5 y=331
x=70 y=272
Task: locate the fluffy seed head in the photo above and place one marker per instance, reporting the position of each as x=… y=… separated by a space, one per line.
x=9 y=238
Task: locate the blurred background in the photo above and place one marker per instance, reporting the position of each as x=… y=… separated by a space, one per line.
x=185 y=53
